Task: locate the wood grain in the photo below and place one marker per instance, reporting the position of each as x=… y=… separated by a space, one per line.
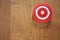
x=4 y=20
x=17 y=23
x=22 y=25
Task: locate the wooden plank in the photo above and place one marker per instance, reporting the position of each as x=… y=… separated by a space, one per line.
x=4 y=20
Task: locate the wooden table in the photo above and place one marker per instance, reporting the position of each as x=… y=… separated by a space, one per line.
x=16 y=22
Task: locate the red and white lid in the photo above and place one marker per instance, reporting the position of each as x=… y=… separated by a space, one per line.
x=42 y=13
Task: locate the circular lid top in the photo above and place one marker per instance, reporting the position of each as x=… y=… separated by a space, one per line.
x=42 y=13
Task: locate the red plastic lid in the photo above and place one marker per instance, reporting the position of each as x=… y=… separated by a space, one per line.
x=42 y=13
